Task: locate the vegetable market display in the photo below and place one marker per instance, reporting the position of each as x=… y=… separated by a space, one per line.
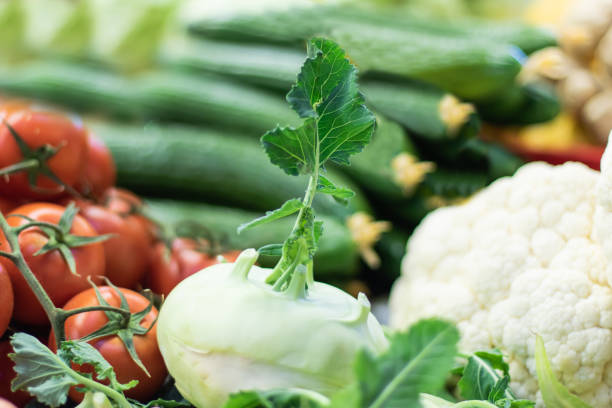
x=191 y=295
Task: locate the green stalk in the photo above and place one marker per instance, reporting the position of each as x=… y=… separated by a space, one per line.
x=44 y=299
x=96 y=386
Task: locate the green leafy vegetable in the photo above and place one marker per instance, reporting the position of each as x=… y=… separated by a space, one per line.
x=554 y=393
x=418 y=360
x=480 y=379
x=338 y=124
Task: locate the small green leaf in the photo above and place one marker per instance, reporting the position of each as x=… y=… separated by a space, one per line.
x=554 y=393
x=289 y=207
x=271 y=250
x=284 y=398
x=480 y=377
x=341 y=194
x=292 y=149
x=80 y=352
x=417 y=361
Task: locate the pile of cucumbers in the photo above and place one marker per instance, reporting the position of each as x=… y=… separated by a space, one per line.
x=183 y=115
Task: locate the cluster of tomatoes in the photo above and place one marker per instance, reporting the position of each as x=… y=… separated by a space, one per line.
x=48 y=162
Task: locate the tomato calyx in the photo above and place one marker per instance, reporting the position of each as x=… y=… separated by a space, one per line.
x=59 y=236
x=34 y=163
x=124 y=325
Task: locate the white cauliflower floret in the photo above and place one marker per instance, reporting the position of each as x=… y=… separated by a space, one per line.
x=528 y=255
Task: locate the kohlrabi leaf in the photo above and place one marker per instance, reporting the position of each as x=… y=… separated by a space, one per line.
x=271 y=250
x=417 y=361
x=43 y=374
x=289 y=207
x=482 y=381
x=286 y=398
x=339 y=193
x=554 y=393
x=337 y=122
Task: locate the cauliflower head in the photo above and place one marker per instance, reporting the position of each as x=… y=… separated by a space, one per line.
x=526 y=255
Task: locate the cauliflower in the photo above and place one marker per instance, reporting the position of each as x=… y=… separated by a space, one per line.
x=525 y=256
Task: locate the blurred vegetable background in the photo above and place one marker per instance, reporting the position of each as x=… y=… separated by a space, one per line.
x=464 y=92
x=213 y=79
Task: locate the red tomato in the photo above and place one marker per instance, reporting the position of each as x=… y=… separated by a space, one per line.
x=38 y=128
x=168 y=269
x=111 y=347
x=6 y=300
x=127 y=252
x=50 y=268
x=19 y=398
x=6 y=205
x=100 y=172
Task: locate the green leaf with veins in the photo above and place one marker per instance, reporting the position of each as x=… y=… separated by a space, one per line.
x=48 y=376
x=417 y=361
x=481 y=380
x=289 y=207
x=338 y=124
x=341 y=194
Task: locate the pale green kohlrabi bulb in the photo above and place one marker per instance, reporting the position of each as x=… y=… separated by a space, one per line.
x=224 y=329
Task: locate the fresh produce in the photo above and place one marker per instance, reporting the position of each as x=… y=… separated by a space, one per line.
x=194 y=163
x=156 y=94
x=327 y=326
x=39 y=164
x=67 y=243
x=151 y=373
x=6 y=294
x=337 y=255
x=170 y=266
x=291 y=26
x=424 y=110
x=100 y=173
x=527 y=255
x=126 y=251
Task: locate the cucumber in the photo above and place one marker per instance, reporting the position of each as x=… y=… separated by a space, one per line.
x=442 y=187
x=263 y=65
x=468 y=68
x=417 y=106
x=293 y=25
x=372 y=168
x=201 y=99
x=522 y=105
x=336 y=258
x=220 y=167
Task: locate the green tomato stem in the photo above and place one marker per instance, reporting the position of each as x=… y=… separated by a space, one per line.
x=45 y=301
x=96 y=386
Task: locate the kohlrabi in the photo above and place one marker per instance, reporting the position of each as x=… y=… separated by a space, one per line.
x=236 y=326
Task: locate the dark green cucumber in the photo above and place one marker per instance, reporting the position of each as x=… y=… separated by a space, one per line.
x=468 y=68
x=417 y=107
x=337 y=256
x=522 y=105
x=165 y=95
x=372 y=168
x=263 y=65
x=220 y=167
x=293 y=25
